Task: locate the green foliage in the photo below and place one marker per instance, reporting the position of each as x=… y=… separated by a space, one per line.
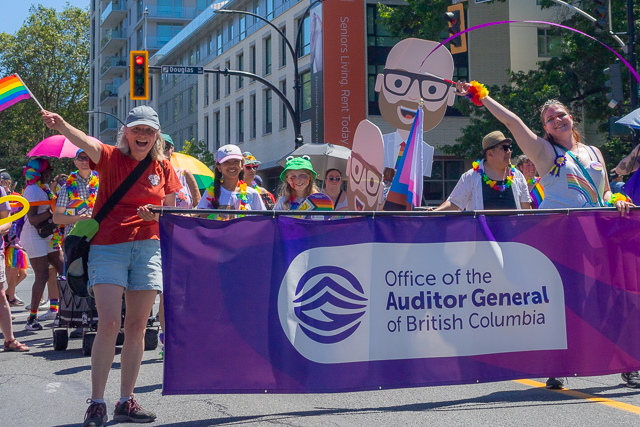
x=200 y=151
x=51 y=54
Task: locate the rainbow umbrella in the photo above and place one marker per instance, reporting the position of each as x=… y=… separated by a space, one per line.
x=200 y=171
x=56 y=146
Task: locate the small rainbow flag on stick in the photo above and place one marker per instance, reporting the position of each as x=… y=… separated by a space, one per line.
x=13 y=90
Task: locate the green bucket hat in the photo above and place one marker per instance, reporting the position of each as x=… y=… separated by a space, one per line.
x=167 y=138
x=297 y=163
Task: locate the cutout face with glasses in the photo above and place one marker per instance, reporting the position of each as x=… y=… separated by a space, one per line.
x=405 y=80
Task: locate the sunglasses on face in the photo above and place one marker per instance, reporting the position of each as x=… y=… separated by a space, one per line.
x=332 y=179
x=505 y=147
x=168 y=147
x=251 y=167
x=82 y=158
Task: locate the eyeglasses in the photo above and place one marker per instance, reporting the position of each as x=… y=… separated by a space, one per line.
x=148 y=131
x=82 y=158
x=167 y=147
x=254 y=167
x=332 y=179
x=505 y=147
x=399 y=82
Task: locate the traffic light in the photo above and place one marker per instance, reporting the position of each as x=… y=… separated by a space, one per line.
x=139 y=74
x=601 y=12
x=615 y=83
x=455 y=17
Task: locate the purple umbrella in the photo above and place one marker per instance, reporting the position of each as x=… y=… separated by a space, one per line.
x=56 y=146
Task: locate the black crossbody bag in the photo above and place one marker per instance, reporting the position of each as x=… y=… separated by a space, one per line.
x=77 y=243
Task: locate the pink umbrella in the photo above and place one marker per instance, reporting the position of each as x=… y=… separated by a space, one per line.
x=56 y=146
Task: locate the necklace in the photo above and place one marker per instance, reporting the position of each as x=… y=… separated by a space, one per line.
x=533 y=181
x=491 y=183
x=72 y=188
x=56 y=238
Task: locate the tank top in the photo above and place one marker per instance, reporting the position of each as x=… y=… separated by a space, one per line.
x=571 y=189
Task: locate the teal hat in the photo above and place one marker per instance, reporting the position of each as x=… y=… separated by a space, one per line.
x=167 y=138
x=297 y=163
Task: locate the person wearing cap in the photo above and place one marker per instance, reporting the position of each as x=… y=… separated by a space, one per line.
x=298 y=183
x=189 y=195
x=251 y=177
x=125 y=252
x=15 y=257
x=228 y=190
x=493 y=183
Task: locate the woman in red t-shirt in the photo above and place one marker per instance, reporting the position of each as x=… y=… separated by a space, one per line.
x=125 y=253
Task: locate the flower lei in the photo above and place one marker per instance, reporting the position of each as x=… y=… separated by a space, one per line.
x=617 y=197
x=72 y=188
x=56 y=239
x=476 y=92
x=533 y=181
x=243 y=198
x=491 y=183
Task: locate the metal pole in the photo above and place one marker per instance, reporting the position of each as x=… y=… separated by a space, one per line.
x=591 y=18
x=146 y=13
x=631 y=52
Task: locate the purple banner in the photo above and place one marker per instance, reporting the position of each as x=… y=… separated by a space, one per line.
x=285 y=305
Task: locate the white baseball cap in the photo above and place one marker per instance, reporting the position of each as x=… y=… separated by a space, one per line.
x=228 y=152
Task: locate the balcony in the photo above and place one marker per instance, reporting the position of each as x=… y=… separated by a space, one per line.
x=113 y=66
x=112 y=41
x=157 y=42
x=109 y=96
x=108 y=125
x=169 y=12
x=113 y=13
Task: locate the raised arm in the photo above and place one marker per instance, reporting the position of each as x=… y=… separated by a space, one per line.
x=629 y=163
x=76 y=136
x=537 y=149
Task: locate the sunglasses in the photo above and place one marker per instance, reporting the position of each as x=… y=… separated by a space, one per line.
x=505 y=147
x=82 y=158
x=332 y=179
x=168 y=147
x=254 y=167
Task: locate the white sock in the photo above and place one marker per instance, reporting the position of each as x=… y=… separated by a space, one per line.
x=124 y=399
x=98 y=400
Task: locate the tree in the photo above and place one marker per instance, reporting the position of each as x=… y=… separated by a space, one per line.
x=51 y=54
x=575 y=77
x=200 y=151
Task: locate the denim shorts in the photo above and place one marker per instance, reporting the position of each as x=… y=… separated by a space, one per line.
x=136 y=265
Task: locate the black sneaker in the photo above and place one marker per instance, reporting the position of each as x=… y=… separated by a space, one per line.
x=131 y=411
x=631 y=378
x=555 y=383
x=32 y=325
x=96 y=414
x=76 y=333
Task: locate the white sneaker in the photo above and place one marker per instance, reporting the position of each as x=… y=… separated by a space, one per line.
x=49 y=315
x=44 y=305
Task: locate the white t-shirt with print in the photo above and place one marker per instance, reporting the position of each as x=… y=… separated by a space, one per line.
x=229 y=200
x=33 y=193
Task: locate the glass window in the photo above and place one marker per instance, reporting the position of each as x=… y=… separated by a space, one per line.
x=240 y=64
x=216 y=86
x=549 y=42
x=227 y=79
x=192 y=99
x=283 y=108
x=305 y=38
x=243 y=26
x=270 y=7
x=268 y=114
x=240 y=122
x=252 y=118
x=267 y=55
x=444 y=177
x=206 y=90
x=306 y=90
x=219 y=42
x=216 y=123
x=283 y=47
x=230 y=30
x=227 y=113
x=252 y=59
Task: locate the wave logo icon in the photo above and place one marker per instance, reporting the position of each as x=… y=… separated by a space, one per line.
x=329 y=310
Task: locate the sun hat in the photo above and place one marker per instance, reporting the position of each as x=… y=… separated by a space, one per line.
x=5 y=176
x=298 y=163
x=143 y=115
x=228 y=152
x=249 y=159
x=167 y=138
x=492 y=139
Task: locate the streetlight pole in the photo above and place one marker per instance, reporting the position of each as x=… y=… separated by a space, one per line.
x=631 y=54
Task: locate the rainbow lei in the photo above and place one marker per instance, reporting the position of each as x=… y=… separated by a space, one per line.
x=56 y=239
x=617 y=197
x=477 y=92
x=558 y=162
x=243 y=198
x=533 y=181
x=72 y=188
x=491 y=183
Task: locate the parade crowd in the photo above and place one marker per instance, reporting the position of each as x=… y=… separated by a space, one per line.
x=125 y=255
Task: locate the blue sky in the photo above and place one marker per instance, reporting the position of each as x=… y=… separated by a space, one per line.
x=15 y=12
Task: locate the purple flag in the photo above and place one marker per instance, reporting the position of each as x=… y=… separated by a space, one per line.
x=289 y=305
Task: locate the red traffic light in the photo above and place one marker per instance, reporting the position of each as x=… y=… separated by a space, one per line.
x=139 y=60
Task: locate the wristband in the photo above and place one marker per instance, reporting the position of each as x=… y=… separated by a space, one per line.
x=477 y=92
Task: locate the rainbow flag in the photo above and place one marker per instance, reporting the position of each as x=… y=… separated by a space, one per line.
x=537 y=195
x=406 y=189
x=12 y=91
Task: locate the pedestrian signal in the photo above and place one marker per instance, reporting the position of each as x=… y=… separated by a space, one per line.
x=139 y=75
x=455 y=17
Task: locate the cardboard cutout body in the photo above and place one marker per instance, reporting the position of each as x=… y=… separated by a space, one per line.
x=364 y=168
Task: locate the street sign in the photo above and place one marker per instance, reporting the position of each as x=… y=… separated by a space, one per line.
x=179 y=69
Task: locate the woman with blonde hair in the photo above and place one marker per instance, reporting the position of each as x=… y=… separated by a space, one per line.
x=298 y=183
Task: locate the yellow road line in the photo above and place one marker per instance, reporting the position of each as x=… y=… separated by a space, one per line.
x=589 y=397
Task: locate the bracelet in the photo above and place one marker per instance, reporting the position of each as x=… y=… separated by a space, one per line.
x=477 y=92
x=617 y=197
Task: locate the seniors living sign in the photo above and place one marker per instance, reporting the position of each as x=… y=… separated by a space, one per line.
x=291 y=305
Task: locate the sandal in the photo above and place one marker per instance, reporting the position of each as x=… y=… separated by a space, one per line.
x=15 y=302
x=15 y=345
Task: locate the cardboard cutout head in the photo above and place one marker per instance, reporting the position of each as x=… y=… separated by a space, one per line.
x=404 y=82
x=364 y=168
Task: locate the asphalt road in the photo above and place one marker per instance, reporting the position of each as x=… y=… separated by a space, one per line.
x=49 y=388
